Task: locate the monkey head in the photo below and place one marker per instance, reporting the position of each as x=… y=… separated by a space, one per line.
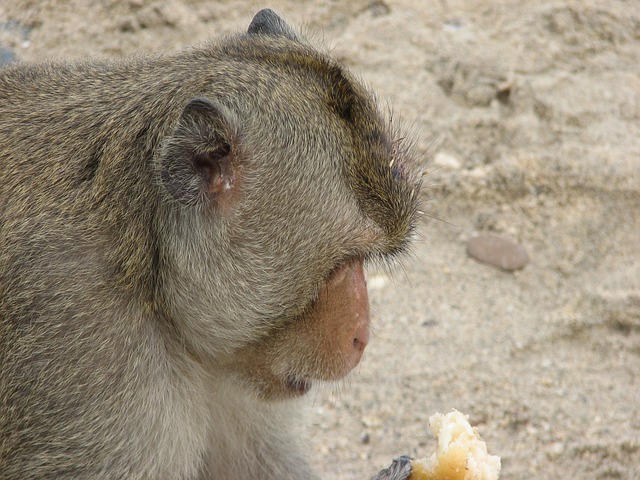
x=278 y=181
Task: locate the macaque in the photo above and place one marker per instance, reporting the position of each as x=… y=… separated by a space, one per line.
x=182 y=249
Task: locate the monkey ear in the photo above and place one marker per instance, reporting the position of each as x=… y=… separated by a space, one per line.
x=197 y=161
x=267 y=22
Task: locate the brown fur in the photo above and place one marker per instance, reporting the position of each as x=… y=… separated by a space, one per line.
x=172 y=228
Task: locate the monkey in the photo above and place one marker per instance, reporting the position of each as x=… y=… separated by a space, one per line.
x=182 y=251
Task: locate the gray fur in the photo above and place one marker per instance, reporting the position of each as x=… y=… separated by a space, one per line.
x=135 y=297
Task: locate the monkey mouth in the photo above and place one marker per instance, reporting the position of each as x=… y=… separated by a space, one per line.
x=298 y=386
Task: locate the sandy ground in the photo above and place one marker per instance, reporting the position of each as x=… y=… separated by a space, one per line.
x=529 y=114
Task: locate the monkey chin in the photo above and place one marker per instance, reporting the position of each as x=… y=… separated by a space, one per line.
x=297 y=386
x=288 y=387
x=289 y=384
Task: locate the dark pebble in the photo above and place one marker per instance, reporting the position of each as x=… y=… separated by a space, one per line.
x=498 y=251
x=6 y=56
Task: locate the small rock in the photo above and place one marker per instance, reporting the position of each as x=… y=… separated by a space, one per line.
x=128 y=24
x=480 y=95
x=6 y=56
x=376 y=282
x=446 y=160
x=556 y=449
x=498 y=251
x=365 y=438
x=378 y=8
x=371 y=421
x=503 y=90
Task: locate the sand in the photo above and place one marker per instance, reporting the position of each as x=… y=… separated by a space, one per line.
x=527 y=115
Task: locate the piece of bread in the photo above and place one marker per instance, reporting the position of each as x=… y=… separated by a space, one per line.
x=461 y=454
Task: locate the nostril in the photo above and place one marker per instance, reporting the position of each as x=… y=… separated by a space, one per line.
x=359 y=345
x=357 y=352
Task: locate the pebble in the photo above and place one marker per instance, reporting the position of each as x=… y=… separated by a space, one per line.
x=376 y=282
x=6 y=56
x=498 y=251
x=446 y=160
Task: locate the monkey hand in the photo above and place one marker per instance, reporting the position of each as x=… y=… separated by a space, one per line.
x=400 y=469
